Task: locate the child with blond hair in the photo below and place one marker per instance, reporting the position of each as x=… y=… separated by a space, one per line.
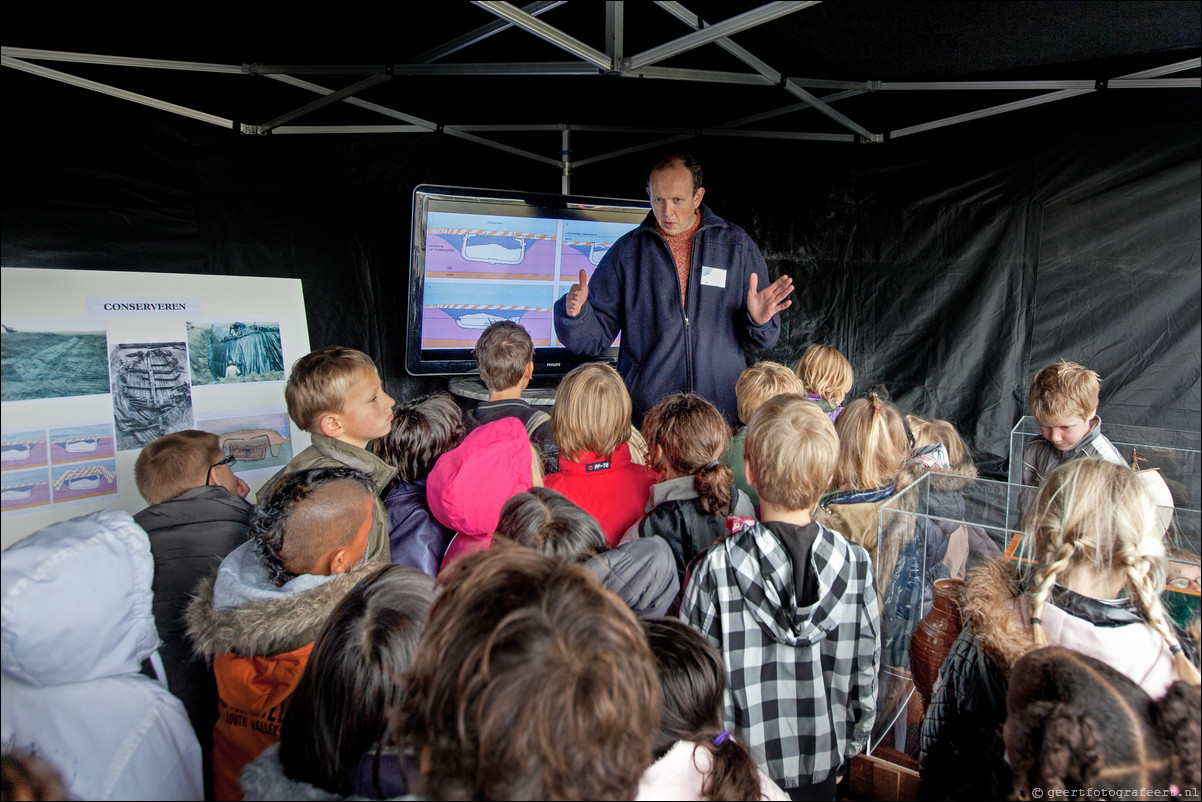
x=1098 y=572
x=591 y=422
x=827 y=377
x=335 y=394
x=756 y=384
x=1064 y=401
x=790 y=604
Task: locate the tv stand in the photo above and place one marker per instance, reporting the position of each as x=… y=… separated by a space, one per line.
x=540 y=393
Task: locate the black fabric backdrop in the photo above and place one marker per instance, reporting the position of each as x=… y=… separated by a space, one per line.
x=949 y=267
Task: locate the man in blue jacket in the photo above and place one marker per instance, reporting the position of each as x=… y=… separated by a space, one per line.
x=683 y=290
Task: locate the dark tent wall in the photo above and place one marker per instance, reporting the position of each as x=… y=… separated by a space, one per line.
x=949 y=266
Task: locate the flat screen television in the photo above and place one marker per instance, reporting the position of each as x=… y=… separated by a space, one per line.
x=481 y=255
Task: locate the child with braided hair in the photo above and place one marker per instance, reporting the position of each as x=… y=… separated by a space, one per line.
x=686 y=440
x=1098 y=573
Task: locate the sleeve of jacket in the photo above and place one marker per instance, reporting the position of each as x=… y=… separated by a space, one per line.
x=962 y=751
x=417 y=540
x=698 y=607
x=601 y=318
x=866 y=668
x=758 y=335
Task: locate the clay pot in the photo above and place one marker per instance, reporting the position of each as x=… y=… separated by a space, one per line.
x=934 y=635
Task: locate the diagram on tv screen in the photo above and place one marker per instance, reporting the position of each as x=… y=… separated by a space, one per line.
x=454 y=314
x=490 y=247
x=585 y=244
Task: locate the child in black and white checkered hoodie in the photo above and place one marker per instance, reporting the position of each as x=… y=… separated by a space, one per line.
x=791 y=606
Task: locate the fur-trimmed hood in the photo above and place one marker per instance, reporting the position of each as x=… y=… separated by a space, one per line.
x=989 y=604
x=942 y=479
x=252 y=617
x=1111 y=631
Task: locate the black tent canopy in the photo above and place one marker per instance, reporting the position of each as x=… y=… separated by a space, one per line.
x=963 y=191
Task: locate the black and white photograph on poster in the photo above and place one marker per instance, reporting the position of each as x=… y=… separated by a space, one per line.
x=52 y=359
x=152 y=395
x=235 y=352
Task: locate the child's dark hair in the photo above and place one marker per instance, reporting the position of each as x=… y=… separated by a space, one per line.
x=502 y=354
x=1074 y=722
x=303 y=515
x=551 y=524
x=422 y=430
x=688 y=435
x=530 y=682
x=340 y=708
x=692 y=680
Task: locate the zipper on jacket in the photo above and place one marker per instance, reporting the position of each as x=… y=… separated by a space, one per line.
x=684 y=306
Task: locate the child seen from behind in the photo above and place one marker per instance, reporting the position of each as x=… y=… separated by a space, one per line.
x=698 y=758
x=791 y=606
x=756 y=384
x=591 y=421
x=686 y=438
x=827 y=376
x=422 y=431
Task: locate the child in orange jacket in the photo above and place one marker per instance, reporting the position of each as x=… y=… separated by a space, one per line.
x=258 y=617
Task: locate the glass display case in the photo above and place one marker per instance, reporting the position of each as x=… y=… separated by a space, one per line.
x=939 y=528
x=1176 y=455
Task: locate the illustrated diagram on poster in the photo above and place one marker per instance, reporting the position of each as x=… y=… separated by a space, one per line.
x=490 y=247
x=235 y=352
x=23 y=449
x=82 y=465
x=585 y=244
x=455 y=314
x=82 y=443
x=83 y=482
x=151 y=392
x=24 y=489
x=52 y=359
x=257 y=439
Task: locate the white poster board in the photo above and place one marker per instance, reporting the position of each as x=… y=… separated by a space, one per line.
x=96 y=364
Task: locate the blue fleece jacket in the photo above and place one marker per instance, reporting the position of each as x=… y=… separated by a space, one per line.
x=666 y=348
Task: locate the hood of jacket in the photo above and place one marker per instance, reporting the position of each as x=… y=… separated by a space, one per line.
x=204 y=504
x=77 y=601
x=641 y=572
x=764 y=574
x=470 y=483
x=240 y=611
x=856 y=514
x=683 y=488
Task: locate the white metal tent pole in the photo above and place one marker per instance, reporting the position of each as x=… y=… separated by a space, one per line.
x=547 y=33
x=119 y=61
x=692 y=20
x=322 y=102
x=565 y=140
x=1050 y=97
x=615 y=30
x=399 y=115
x=105 y=89
x=719 y=30
x=481 y=33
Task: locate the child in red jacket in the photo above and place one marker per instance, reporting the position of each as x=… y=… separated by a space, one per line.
x=591 y=425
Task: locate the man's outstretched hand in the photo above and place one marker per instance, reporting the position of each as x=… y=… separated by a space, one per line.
x=579 y=294
x=762 y=305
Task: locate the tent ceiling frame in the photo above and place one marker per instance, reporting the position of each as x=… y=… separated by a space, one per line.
x=592 y=62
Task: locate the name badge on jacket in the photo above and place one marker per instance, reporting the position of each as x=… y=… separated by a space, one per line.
x=713 y=277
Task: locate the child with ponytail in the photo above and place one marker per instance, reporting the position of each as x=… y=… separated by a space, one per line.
x=696 y=757
x=1099 y=570
x=686 y=440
